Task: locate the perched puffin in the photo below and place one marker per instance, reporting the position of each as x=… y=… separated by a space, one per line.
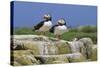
x=44 y=25
x=59 y=28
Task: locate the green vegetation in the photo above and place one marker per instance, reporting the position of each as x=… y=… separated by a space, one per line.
x=88 y=29
x=83 y=31
x=23 y=30
x=71 y=35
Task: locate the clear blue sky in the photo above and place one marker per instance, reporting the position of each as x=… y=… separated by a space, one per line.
x=27 y=14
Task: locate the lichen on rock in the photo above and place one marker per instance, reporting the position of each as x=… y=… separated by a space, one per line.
x=24 y=57
x=63 y=48
x=93 y=56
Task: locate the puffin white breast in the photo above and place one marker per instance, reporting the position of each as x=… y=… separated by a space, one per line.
x=46 y=26
x=59 y=30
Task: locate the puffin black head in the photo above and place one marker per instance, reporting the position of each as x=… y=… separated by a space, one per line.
x=61 y=22
x=47 y=17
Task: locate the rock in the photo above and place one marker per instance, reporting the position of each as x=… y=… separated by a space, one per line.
x=63 y=58
x=58 y=62
x=63 y=48
x=44 y=46
x=27 y=45
x=52 y=59
x=93 y=56
x=52 y=49
x=59 y=59
x=34 y=49
x=24 y=57
x=32 y=46
x=88 y=43
x=16 y=63
x=77 y=46
x=76 y=57
x=31 y=37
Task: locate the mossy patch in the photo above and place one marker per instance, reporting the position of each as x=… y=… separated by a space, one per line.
x=94 y=54
x=24 y=57
x=63 y=48
x=33 y=47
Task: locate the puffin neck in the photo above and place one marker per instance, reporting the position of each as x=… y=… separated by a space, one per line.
x=60 y=24
x=48 y=19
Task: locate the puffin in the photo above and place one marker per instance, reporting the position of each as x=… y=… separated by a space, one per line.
x=59 y=28
x=44 y=26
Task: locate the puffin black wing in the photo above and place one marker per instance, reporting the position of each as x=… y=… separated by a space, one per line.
x=53 y=28
x=39 y=25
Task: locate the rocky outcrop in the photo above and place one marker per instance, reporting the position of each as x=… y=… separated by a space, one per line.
x=34 y=49
x=93 y=56
x=23 y=57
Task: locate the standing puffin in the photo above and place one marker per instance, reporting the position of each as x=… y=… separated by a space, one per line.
x=59 y=28
x=44 y=25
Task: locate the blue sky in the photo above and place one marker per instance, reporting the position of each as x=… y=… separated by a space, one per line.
x=27 y=14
